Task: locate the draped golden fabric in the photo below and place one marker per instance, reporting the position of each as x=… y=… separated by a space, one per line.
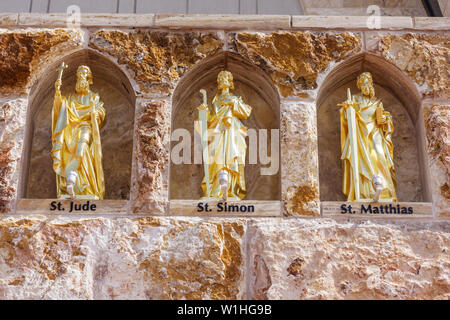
x=374 y=148
x=73 y=128
x=227 y=147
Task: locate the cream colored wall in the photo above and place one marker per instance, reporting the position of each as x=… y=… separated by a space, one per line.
x=359 y=7
x=445 y=7
x=295 y=7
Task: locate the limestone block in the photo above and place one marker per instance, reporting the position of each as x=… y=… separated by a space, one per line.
x=299 y=159
x=349 y=22
x=223 y=21
x=158 y=59
x=425 y=57
x=294 y=59
x=8 y=19
x=325 y=259
x=142 y=258
x=27 y=51
x=62 y=20
x=152 y=162
x=12 y=131
x=432 y=23
x=437 y=124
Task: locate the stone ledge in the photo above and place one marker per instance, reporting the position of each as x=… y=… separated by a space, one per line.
x=179 y=21
x=9 y=19
x=219 y=21
x=190 y=208
x=87 y=20
x=43 y=206
x=349 y=22
x=226 y=21
x=419 y=210
x=432 y=23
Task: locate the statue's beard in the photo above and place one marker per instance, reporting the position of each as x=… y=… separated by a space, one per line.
x=223 y=85
x=82 y=86
x=368 y=91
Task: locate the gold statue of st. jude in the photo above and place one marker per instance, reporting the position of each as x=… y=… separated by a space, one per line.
x=223 y=142
x=76 y=147
x=366 y=145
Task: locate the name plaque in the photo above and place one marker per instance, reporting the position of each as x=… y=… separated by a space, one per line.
x=71 y=207
x=383 y=210
x=252 y=208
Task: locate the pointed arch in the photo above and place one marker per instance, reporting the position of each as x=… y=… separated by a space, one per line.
x=243 y=71
x=384 y=73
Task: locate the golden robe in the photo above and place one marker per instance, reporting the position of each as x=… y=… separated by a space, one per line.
x=72 y=123
x=227 y=147
x=375 y=150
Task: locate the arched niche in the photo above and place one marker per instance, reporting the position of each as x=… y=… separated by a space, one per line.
x=401 y=98
x=115 y=90
x=257 y=90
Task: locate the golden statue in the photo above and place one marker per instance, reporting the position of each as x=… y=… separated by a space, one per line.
x=223 y=142
x=366 y=145
x=76 y=152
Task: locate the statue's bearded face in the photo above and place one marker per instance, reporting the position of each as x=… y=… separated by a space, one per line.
x=366 y=86
x=225 y=80
x=83 y=80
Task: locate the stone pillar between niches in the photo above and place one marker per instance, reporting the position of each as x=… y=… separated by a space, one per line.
x=299 y=158
x=422 y=148
x=150 y=176
x=12 y=134
x=435 y=125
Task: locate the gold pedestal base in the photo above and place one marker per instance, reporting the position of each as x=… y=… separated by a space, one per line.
x=220 y=199
x=79 y=197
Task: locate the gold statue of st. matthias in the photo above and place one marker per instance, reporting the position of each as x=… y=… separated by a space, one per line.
x=366 y=145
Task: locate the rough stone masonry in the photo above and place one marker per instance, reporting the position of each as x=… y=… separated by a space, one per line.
x=136 y=249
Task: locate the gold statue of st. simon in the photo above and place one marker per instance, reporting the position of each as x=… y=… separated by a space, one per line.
x=76 y=147
x=366 y=145
x=223 y=142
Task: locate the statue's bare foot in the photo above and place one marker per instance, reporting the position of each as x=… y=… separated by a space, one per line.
x=70 y=191
x=70 y=180
x=223 y=181
x=225 y=192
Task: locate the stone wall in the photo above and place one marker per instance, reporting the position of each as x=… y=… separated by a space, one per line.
x=134 y=247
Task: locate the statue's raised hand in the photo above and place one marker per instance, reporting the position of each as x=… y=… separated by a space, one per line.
x=58 y=84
